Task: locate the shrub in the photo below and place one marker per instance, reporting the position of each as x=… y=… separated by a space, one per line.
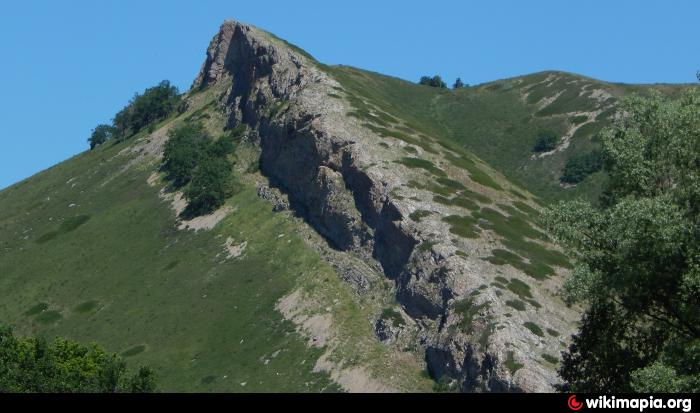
x=546 y=141
x=578 y=167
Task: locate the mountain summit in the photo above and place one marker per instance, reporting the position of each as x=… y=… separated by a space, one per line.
x=382 y=235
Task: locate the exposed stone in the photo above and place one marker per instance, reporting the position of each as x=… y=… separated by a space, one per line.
x=324 y=161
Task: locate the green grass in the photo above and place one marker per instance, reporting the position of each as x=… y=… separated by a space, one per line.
x=86 y=307
x=419 y=214
x=553 y=333
x=469 y=311
x=534 y=328
x=511 y=364
x=519 y=288
x=550 y=358
x=37 y=309
x=421 y=164
x=394 y=316
x=462 y=226
x=493 y=122
x=133 y=351
x=517 y=304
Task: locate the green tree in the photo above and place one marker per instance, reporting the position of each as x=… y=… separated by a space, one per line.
x=210 y=186
x=459 y=84
x=34 y=365
x=183 y=151
x=435 y=81
x=638 y=255
x=101 y=134
x=546 y=141
x=156 y=103
x=579 y=166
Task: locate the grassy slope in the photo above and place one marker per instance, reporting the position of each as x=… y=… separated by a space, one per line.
x=89 y=251
x=499 y=121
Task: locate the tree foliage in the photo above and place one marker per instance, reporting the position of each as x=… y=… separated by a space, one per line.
x=638 y=255
x=546 y=141
x=101 y=134
x=192 y=159
x=579 y=166
x=156 y=103
x=435 y=81
x=31 y=365
x=459 y=84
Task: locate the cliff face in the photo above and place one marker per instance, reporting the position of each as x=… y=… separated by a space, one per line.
x=339 y=174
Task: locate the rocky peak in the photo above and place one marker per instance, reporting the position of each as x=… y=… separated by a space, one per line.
x=338 y=176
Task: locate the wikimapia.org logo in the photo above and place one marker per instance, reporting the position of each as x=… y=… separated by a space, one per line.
x=605 y=402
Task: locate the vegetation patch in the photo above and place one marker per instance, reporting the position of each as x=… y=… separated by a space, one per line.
x=394 y=316
x=511 y=364
x=517 y=304
x=134 y=351
x=86 y=306
x=534 y=328
x=48 y=317
x=579 y=166
x=421 y=164
x=462 y=226
x=36 y=309
x=419 y=214
x=426 y=246
x=546 y=141
x=468 y=310
x=550 y=358
x=552 y=332
x=519 y=288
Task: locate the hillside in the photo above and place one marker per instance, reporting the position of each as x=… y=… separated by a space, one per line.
x=382 y=236
x=500 y=121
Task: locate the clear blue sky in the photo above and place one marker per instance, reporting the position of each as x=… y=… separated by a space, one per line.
x=67 y=66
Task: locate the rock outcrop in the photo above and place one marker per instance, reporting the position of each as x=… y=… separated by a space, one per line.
x=337 y=176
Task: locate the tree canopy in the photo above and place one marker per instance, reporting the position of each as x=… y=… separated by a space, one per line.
x=31 y=365
x=435 y=81
x=101 y=134
x=156 y=103
x=638 y=255
x=203 y=166
x=459 y=84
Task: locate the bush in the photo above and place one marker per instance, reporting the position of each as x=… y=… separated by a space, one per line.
x=578 y=167
x=546 y=142
x=34 y=365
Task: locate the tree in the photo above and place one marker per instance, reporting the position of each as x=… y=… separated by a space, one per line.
x=210 y=186
x=638 y=255
x=435 y=81
x=201 y=165
x=183 y=151
x=579 y=166
x=155 y=104
x=459 y=84
x=101 y=134
x=34 y=365
x=546 y=141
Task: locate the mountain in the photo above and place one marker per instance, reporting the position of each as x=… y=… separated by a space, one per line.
x=382 y=236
